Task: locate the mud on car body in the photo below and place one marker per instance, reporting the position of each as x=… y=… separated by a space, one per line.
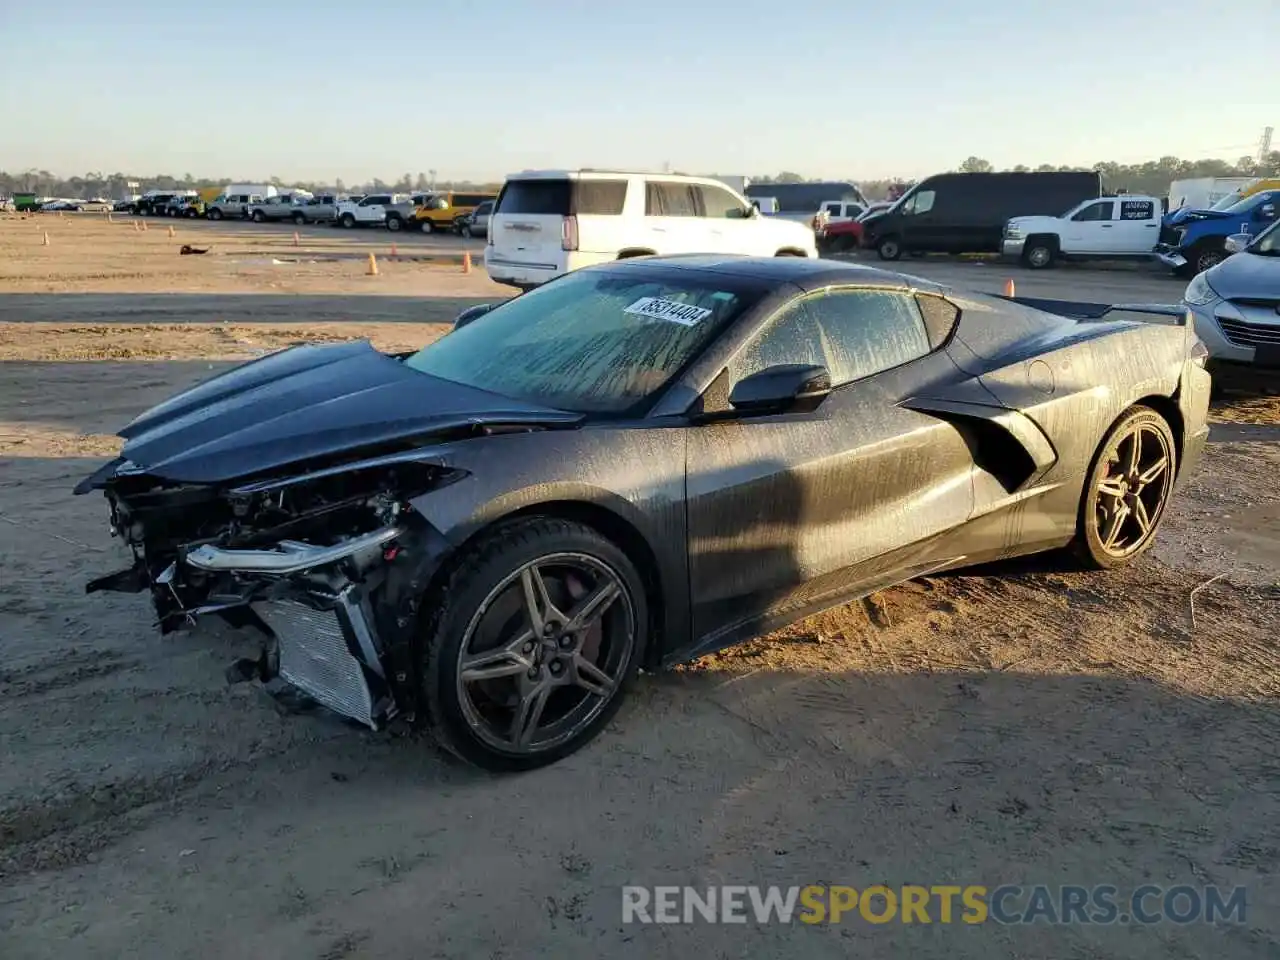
x=631 y=466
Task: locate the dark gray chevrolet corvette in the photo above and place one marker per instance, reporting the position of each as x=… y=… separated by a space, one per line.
x=631 y=466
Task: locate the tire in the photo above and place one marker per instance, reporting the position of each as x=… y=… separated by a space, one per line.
x=257 y=216
x=485 y=599
x=214 y=214
x=428 y=226
x=1039 y=254
x=1206 y=255
x=300 y=219
x=465 y=231
x=394 y=224
x=1099 y=507
x=348 y=220
x=889 y=249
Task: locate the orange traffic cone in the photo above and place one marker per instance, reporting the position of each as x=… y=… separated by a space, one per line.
x=394 y=251
x=1008 y=288
x=373 y=266
x=466 y=261
x=296 y=240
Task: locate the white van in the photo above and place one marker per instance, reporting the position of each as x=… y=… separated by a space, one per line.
x=549 y=222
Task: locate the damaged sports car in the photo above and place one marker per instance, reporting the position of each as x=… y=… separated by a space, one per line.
x=634 y=465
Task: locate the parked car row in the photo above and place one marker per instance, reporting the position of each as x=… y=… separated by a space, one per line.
x=443 y=211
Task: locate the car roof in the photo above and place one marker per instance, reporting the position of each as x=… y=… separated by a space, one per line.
x=767 y=272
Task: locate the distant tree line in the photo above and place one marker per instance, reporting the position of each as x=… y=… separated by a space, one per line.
x=1152 y=177
x=116 y=185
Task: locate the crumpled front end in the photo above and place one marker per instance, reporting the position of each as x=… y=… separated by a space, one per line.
x=330 y=565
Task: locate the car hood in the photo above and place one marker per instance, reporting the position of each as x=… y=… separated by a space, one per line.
x=308 y=402
x=1246 y=275
x=1182 y=215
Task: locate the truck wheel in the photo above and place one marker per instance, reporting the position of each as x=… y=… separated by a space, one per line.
x=1039 y=253
x=258 y=217
x=428 y=226
x=1207 y=254
x=465 y=231
x=214 y=214
x=348 y=221
x=889 y=248
x=300 y=219
x=394 y=224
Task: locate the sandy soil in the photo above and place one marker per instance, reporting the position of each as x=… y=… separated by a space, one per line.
x=1020 y=724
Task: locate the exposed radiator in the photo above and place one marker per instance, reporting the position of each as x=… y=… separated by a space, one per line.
x=315 y=658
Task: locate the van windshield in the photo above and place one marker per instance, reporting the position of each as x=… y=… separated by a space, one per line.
x=1230 y=200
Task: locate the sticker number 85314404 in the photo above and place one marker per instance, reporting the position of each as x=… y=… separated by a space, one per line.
x=658 y=309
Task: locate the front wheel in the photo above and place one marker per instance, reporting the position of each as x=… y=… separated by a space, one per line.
x=348 y=221
x=257 y=216
x=214 y=214
x=889 y=248
x=428 y=226
x=1127 y=490
x=1206 y=256
x=1038 y=255
x=532 y=643
x=299 y=219
x=394 y=224
x=465 y=231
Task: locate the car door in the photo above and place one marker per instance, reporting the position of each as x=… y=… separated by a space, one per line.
x=672 y=221
x=1137 y=227
x=921 y=227
x=372 y=209
x=787 y=512
x=1091 y=229
x=726 y=221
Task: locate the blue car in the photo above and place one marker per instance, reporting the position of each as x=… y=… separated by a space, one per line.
x=1194 y=241
x=1237 y=304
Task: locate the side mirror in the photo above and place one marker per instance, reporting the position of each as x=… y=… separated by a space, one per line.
x=1237 y=242
x=470 y=314
x=782 y=388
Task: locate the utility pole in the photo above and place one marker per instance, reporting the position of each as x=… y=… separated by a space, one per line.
x=1264 y=146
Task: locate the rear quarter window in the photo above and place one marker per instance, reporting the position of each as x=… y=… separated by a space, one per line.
x=531 y=197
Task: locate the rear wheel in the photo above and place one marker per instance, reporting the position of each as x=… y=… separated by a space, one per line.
x=1127 y=490
x=215 y=214
x=394 y=224
x=531 y=644
x=428 y=226
x=300 y=219
x=889 y=248
x=347 y=220
x=258 y=216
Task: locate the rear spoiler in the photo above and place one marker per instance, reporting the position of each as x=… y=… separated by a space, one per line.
x=1096 y=311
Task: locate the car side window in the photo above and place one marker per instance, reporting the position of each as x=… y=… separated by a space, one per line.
x=719 y=203
x=1095 y=211
x=921 y=202
x=667 y=199
x=854 y=333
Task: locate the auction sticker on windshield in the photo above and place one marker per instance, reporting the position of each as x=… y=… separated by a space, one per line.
x=659 y=309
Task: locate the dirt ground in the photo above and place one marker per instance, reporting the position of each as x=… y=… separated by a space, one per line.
x=1025 y=724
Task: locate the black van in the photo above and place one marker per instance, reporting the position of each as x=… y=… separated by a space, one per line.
x=966 y=212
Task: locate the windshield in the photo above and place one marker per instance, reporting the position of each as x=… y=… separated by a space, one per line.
x=1225 y=203
x=589 y=342
x=1267 y=243
x=1246 y=205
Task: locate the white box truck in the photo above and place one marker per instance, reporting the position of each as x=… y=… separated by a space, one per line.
x=1201 y=193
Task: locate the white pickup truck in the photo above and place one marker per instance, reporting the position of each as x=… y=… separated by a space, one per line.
x=1106 y=228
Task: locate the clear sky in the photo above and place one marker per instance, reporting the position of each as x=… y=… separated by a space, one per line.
x=314 y=89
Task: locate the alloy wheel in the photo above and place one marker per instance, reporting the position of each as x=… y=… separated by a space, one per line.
x=546 y=652
x=1132 y=492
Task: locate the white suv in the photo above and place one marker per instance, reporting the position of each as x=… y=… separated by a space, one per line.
x=549 y=222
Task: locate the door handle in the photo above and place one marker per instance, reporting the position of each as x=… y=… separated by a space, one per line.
x=1151 y=226
x=1106 y=226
